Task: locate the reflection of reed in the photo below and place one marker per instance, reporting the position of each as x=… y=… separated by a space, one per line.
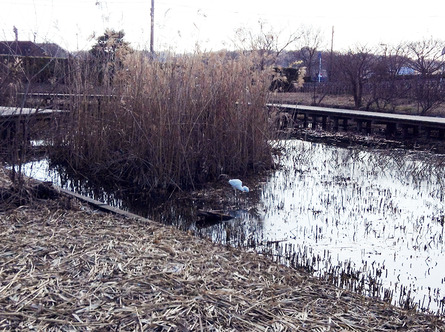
x=366 y=281
x=334 y=203
x=418 y=168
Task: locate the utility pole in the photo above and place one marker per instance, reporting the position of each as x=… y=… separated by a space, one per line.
x=332 y=55
x=152 y=15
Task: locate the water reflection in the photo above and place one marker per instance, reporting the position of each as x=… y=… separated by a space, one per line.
x=370 y=211
x=368 y=220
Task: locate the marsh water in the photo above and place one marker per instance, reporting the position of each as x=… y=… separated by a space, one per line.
x=367 y=220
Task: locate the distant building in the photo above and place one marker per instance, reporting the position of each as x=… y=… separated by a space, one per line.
x=28 y=48
x=406 y=71
x=54 y=50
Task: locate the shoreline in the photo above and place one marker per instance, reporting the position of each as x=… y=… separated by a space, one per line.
x=67 y=265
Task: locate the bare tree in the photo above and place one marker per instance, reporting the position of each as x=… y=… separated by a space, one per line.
x=426 y=56
x=427 y=60
x=267 y=43
x=386 y=85
x=312 y=41
x=355 y=68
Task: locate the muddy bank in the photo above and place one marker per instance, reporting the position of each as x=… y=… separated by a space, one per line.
x=65 y=265
x=375 y=141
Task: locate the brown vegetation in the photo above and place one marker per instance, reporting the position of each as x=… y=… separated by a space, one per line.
x=321 y=98
x=171 y=124
x=66 y=266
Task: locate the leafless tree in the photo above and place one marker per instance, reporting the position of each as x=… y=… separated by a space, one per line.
x=312 y=41
x=11 y=76
x=266 y=43
x=427 y=61
x=355 y=68
x=426 y=56
x=386 y=85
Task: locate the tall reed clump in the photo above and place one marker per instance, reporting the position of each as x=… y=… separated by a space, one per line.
x=171 y=124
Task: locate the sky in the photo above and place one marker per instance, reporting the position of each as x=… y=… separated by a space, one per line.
x=181 y=25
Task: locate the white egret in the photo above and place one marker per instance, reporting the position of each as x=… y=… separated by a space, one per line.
x=238 y=184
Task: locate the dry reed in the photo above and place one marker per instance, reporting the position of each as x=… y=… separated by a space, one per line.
x=176 y=123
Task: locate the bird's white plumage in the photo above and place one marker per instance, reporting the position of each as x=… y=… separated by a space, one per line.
x=238 y=184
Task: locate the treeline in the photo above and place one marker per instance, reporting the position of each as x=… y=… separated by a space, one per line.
x=379 y=79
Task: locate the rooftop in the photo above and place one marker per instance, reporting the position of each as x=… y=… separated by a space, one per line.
x=29 y=48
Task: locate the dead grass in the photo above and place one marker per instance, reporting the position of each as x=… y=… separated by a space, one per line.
x=306 y=98
x=342 y=101
x=175 y=124
x=66 y=267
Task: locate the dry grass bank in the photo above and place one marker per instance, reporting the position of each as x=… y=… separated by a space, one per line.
x=66 y=267
x=343 y=101
x=306 y=98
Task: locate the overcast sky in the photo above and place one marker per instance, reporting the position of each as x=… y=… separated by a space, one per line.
x=180 y=25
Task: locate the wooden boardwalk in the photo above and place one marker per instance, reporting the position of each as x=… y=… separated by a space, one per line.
x=13 y=112
x=32 y=121
x=364 y=121
x=62 y=100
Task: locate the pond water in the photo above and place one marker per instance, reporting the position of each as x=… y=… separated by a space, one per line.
x=379 y=213
x=367 y=220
